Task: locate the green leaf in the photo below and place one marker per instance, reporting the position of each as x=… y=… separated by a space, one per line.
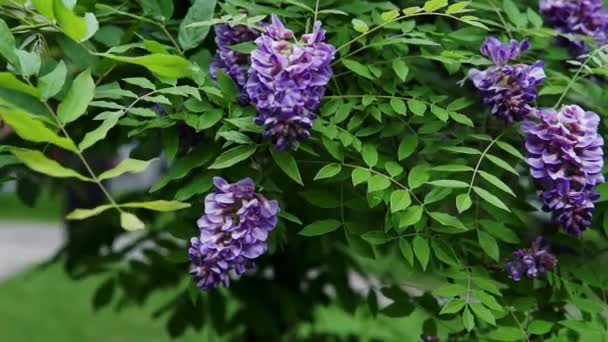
x=452 y=168
x=52 y=83
x=400 y=200
x=407 y=146
x=199 y=185
x=488 y=300
x=377 y=183
x=453 y=306
x=78 y=28
x=376 y=237
x=38 y=162
x=496 y=182
x=233 y=156
x=77 y=99
x=370 y=155
x=406 y=251
x=30 y=129
x=513 y=13
x=410 y=216
x=467 y=319
x=30 y=62
x=44 y=7
x=488 y=197
x=360 y=176
x=444 y=253
x=160 y=205
x=9 y=81
x=433 y=5
x=245 y=47
x=7 y=45
x=449 y=183
x=498 y=230
x=449 y=290
x=461 y=119
x=140 y=82
x=534 y=18
x=506 y=334
x=411 y=10
x=390 y=15
x=393 y=168
x=191 y=37
x=457 y=7
x=488 y=245
x=501 y=163
x=290 y=217
x=126 y=166
x=418 y=175
x=510 y=149
x=401 y=69
x=157 y=9
x=227 y=86
x=81 y=214
x=539 y=327
x=360 y=25
x=320 y=227
x=417 y=107
x=288 y=164
x=448 y=220
x=358 y=68
x=167 y=66
x=328 y=171
x=183 y=166
x=440 y=113
x=463 y=202
x=398 y=105
x=129 y=221
x=100 y=132
x=462 y=150
x=421 y=250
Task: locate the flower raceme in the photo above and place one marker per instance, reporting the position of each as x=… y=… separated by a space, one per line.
x=232 y=62
x=507 y=89
x=287 y=80
x=233 y=232
x=583 y=17
x=531 y=261
x=566 y=159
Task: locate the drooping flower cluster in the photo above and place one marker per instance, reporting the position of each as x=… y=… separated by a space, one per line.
x=507 y=89
x=566 y=159
x=287 y=80
x=233 y=232
x=234 y=63
x=583 y=17
x=531 y=261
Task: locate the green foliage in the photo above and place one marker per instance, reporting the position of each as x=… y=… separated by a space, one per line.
x=406 y=179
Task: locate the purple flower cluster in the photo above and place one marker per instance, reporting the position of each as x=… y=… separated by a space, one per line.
x=233 y=232
x=287 y=80
x=531 y=261
x=566 y=159
x=507 y=89
x=583 y=17
x=232 y=62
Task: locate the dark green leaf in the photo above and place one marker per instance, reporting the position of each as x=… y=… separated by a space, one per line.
x=288 y=164
x=233 y=156
x=320 y=227
x=421 y=250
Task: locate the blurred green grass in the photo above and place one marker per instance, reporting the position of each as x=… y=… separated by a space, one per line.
x=43 y=304
x=48 y=208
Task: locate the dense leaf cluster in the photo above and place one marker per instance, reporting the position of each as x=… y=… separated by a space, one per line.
x=398 y=213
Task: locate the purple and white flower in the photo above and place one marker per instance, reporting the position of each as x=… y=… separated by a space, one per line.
x=531 y=261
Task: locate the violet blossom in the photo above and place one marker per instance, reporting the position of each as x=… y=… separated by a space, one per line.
x=531 y=262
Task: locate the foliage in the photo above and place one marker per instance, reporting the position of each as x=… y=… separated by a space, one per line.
x=397 y=214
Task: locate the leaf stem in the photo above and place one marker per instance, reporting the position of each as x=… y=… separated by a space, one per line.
x=483 y=155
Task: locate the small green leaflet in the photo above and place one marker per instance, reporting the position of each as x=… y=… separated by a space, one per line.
x=233 y=156
x=126 y=166
x=328 y=171
x=422 y=250
x=38 y=162
x=288 y=164
x=77 y=99
x=130 y=222
x=320 y=227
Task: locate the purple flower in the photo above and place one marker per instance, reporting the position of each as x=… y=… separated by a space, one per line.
x=531 y=261
x=232 y=62
x=287 y=80
x=584 y=17
x=566 y=159
x=233 y=232
x=507 y=89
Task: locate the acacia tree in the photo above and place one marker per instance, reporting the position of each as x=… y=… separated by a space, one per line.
x=332 y=169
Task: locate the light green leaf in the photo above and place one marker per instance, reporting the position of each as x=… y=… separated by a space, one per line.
x=288 y=164
x=453 y=306
x=488 y=244
x=496 y=182
x=360 y=176
x=77 y=100
x=444 y=253
x=44 y=7
x=370 y=155
x=457 y=7
x=376 y=237
x=233 y=156
x=140 y=82
x=510 y=149
x=501 y=163
x=534 y=18
x=28 y=128
x=398 y=105
x=236 y=136
x=448 y=220
x=407 y=146
x=406 y=251
x=411 y=10
x=360 y=25
x=159 y=205
x=358 y=68
x=467 y=319
x=417 y=107
x=400 y=200
x=410 y=216
x=50 y=84
x=433 y=5
x=401 y=69
x=440 y=113
x=100 y=132
x=539 y=327
x=421 y=250
x=126 y=166
x=168 y=66
x=227 y=86
x=463 y=202
x=449 y=290
x=7 y=45
x=418 y=175
x=488 y=300
x=78 y=28
x=513 y=13
x=449 y=183
x=9 y=81
x=191 y=37
x=38 y=162
x=452 y=168
x=490 y=198
x=377 y=183
x=506 y=334
x=320 y=227
x=328 y=171
x=462 y=150
x=81 y=214
x=390 y=15
x=129 y=221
